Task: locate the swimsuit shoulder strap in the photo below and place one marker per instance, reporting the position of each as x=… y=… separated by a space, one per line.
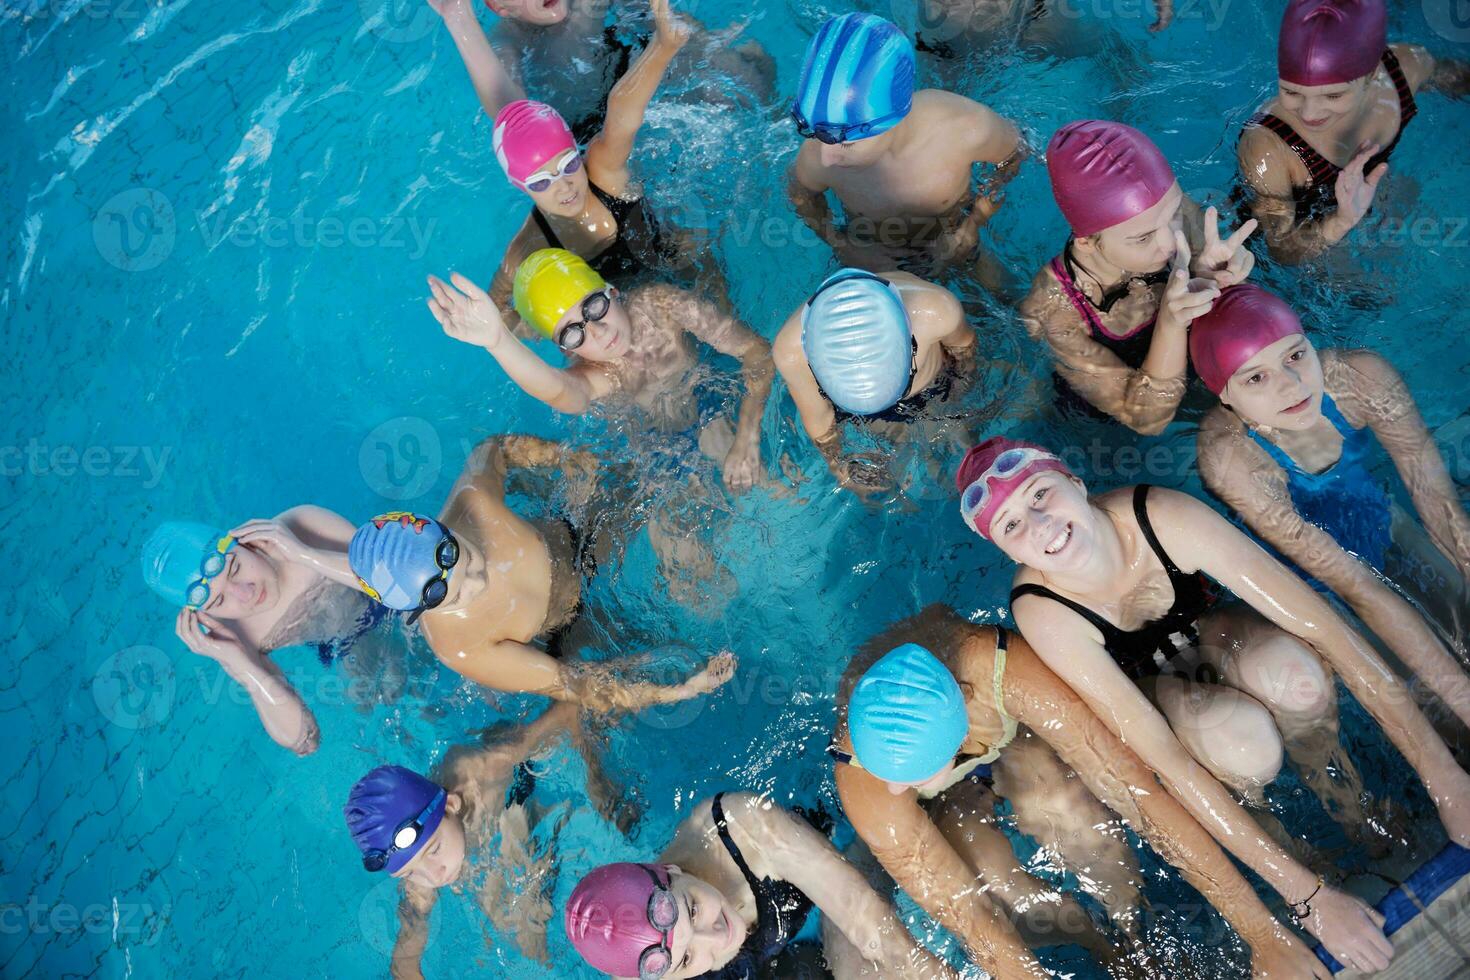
x=1330 y=410
x=1008 y=723
x=1079 y=302
x=619 y=207
x=1408 y=108
x=723 y=826
x=545 y=227
x=1140 y=511
x=1274 y=451
x=1110 y=632
x=1319 y=167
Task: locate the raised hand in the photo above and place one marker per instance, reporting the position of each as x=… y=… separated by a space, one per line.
x=670 y=28
x=466 y=312
x=1229 y=262
x=274 y=537
x=1354 y=190
x=1185 y=298
x=220 y=643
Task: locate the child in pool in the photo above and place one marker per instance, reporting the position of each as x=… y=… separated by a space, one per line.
x=477 y=797
x=927 y=742
x=1314 y=156
x=871 y=347
x=1114 y=307
x=635 y=348
x=1111 y=595
x=899 y=161
x=1286 y=450
x=265 y=585
x=729 y=894
x=487 y=583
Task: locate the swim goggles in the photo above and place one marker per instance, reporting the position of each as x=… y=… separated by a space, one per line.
x=594 y=308
x=977 y=495
x=436 y=589
x=542 y=179
x=406 y=836
x=835 y=133
x=663 y=912
x=212 y=564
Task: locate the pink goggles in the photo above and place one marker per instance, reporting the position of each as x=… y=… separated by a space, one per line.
x=985 y=494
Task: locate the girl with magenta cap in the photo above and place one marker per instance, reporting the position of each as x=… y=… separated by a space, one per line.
x=265 y=585
x=729 y=894
x=442 y=831
x=932 y=733
x=1288 y=449
x=1314 y=156
x=1116 y=594
x=1139 y=264
x=871 y=347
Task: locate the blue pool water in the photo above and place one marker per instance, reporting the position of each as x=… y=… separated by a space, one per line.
x=218 y=219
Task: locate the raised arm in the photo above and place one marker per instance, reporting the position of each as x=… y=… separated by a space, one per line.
x=1073 y=649
x=493 y=84
x=305 y=535
x=467 y=314
x=901 y=835
x=792 y=851
x=608 y=153
x=1242 y=475
x=1041 y=701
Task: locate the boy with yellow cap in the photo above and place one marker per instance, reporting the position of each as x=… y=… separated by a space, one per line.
x=635 y=349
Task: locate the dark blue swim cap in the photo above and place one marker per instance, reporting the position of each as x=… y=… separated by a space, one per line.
x=393 y=557
x=383 y=801
x=858 y=72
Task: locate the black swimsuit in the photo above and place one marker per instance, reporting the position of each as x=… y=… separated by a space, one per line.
x=1147 y=650
x=781 y=911
x=619 y=262
x=1320 y=195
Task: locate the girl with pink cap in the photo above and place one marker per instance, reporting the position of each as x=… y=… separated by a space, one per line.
x=1114 y=307
x=1314 y=156
x=1288 y=449
x=729 y=894
x=1116 y=594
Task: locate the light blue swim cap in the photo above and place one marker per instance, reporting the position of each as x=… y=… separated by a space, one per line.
x=394 y=556
x=858 y=75
x=855 y=332
x=907 y=716
x=172 y=557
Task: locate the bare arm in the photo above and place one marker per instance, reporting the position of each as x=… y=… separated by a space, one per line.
x=307 y=535
x=807 y=191
x=729 y=336
x=1423 y=70
x=913 y=851
x=493 y=84
x=817 y=415
x=414 y=907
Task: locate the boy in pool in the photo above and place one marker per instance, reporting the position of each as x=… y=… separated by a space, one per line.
x=1139 y=264
x=635 y=349
x=899 y=161
x=265 y=585
x=488 y=582
x=937 y=721
x=871 y=347
x=437 y=832
x=1314 y=156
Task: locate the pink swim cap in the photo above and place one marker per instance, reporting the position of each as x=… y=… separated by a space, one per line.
x=1327 y=42
x=527 y=135
x=1244 y=321
x=607 y=916
x=1103 y=173
x=1032 y=459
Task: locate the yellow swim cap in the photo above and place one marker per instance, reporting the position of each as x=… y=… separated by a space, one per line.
x=549 y=282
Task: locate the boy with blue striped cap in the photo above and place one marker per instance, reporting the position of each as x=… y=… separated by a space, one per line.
x=898 y=160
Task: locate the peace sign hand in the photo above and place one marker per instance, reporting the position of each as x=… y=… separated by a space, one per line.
x=1229 y=262
x=466 y=312
x=1184 y=298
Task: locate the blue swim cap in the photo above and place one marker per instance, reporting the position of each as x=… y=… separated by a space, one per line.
x=172 y=557
x=907 y=716
x=855 y=332
x=384 y=800
x=392 y=555
x=858 y=75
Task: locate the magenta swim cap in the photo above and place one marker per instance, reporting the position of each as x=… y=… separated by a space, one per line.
x=1244 y=321
x=1327 y=42
x=527 y=135
x=995 y=469
x=1103 y=173
x=607 y=916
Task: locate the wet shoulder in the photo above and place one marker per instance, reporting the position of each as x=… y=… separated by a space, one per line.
x=1046 y=306
x=1364 y=385
x=1416 y=61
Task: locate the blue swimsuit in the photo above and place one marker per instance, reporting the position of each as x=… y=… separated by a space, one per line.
x=1344 y=500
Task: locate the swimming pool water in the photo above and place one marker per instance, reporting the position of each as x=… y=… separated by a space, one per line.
x=218 y=222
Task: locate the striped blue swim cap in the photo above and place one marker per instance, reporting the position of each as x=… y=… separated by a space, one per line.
x=858 y=76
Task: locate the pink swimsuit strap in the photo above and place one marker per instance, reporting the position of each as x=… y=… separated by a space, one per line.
x=1084 y=306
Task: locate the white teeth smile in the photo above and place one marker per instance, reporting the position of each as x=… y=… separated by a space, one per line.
x=1060 y=541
